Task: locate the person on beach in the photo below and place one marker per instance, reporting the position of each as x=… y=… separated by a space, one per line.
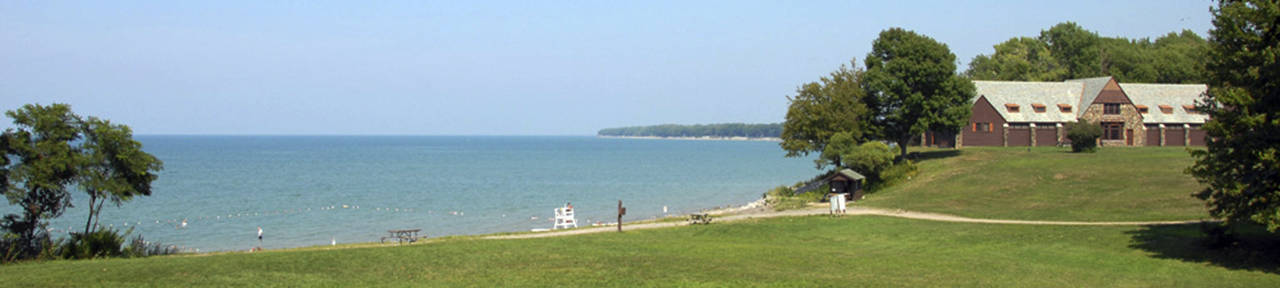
x=259 y=238
x=568 y=206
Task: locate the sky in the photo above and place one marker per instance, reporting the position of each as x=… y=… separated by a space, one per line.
x=480 y=67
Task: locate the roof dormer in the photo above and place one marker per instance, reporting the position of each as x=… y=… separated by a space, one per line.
x=1012 y=108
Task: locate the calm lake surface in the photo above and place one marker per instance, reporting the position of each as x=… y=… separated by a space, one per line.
x=311 y=190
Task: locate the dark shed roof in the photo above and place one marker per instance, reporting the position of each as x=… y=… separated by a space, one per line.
x=848 y=174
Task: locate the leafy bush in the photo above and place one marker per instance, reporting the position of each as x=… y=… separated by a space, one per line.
x=139 y=247
x=895 y=174
x=784 y=198
x=869 y=159
x=97 y=244
x=1084 y=136
x=9 y=248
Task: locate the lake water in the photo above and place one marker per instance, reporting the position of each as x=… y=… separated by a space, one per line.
x=311 y=190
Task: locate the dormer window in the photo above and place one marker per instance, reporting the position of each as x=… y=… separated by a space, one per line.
x=1013 y=108
x=1190 y=109
x=1039 y=108
x=1142 y=109
x=1166 y=109
x=1065 y=108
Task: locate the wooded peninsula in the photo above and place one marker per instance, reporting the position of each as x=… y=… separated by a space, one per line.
x=721 y=130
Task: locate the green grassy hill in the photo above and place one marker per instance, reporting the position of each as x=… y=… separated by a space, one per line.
x=1048 y=183
x=816 y=251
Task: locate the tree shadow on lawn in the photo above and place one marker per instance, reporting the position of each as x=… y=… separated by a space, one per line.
x=932 y=155
x=1251 y=248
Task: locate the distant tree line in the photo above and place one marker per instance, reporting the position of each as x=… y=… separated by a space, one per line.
x=700 y=130
x=1068 y=51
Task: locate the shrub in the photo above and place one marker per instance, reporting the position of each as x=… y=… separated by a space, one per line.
x=97 y=244
x=784 y=198
x=139 y=247
x=899 y=172
x=1084 y=136
x=869 y=159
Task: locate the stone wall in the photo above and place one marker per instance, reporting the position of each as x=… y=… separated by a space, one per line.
x=1128 y=114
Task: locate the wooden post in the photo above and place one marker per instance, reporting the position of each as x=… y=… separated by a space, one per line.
x=621 y=211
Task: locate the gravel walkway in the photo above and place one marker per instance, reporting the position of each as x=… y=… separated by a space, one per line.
x=760 y=213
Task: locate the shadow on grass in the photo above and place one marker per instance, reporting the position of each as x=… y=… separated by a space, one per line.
x=931 y=155
x=1252 y=249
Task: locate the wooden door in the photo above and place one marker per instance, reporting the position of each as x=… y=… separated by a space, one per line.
x=1128 y=137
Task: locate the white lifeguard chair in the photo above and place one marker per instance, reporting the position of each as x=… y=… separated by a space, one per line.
x=564 y=218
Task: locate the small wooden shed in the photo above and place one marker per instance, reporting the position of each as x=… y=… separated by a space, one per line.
x=848 y=183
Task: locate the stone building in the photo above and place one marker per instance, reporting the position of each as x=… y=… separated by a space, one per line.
x=1013 y=113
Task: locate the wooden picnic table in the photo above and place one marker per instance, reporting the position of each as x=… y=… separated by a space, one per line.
x=401 y=236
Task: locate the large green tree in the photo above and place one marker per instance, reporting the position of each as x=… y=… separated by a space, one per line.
x=1180 y=58
x=1067 y=51
x=1019 y=59
x=912 y=87
x=1075 y=48
x=821 y=109
x=46 y=161
x=1241 y=166
x=114 y=166
x=50 y=149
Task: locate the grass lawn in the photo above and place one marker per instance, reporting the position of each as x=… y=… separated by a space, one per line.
x=1049 y=183
x=802 y=251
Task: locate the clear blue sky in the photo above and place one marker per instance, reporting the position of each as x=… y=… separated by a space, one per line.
x=493 y=68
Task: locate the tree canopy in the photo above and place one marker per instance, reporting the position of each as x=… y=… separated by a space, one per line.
x=1241 y=166
x=55 y=148
x=1019 y=59
x=1068 y=51
x=114 y=166
x=834 y=104
x=41 y=142
x=912 y=87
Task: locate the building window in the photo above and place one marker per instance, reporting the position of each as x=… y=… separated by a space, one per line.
x=1013 y=108
x=1112 y=130
x=1065 y=108
x=982 y=127
x=1166 y=109
x=1111 y=108
x=1039 y=108
x=1142 y=109
x=1191 y=109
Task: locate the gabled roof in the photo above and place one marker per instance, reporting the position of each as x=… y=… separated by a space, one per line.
x=1003 y=93
x=1080 y=93
x=1091 y=88
x=1175 y=96
x=849 y=173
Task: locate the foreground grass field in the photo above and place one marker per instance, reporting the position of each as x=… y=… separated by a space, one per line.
x=802 y=251
x=1048 y=183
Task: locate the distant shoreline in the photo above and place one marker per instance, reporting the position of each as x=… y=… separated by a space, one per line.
x=703 y=138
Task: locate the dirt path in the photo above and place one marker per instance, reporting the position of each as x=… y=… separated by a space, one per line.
x=852 y=211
